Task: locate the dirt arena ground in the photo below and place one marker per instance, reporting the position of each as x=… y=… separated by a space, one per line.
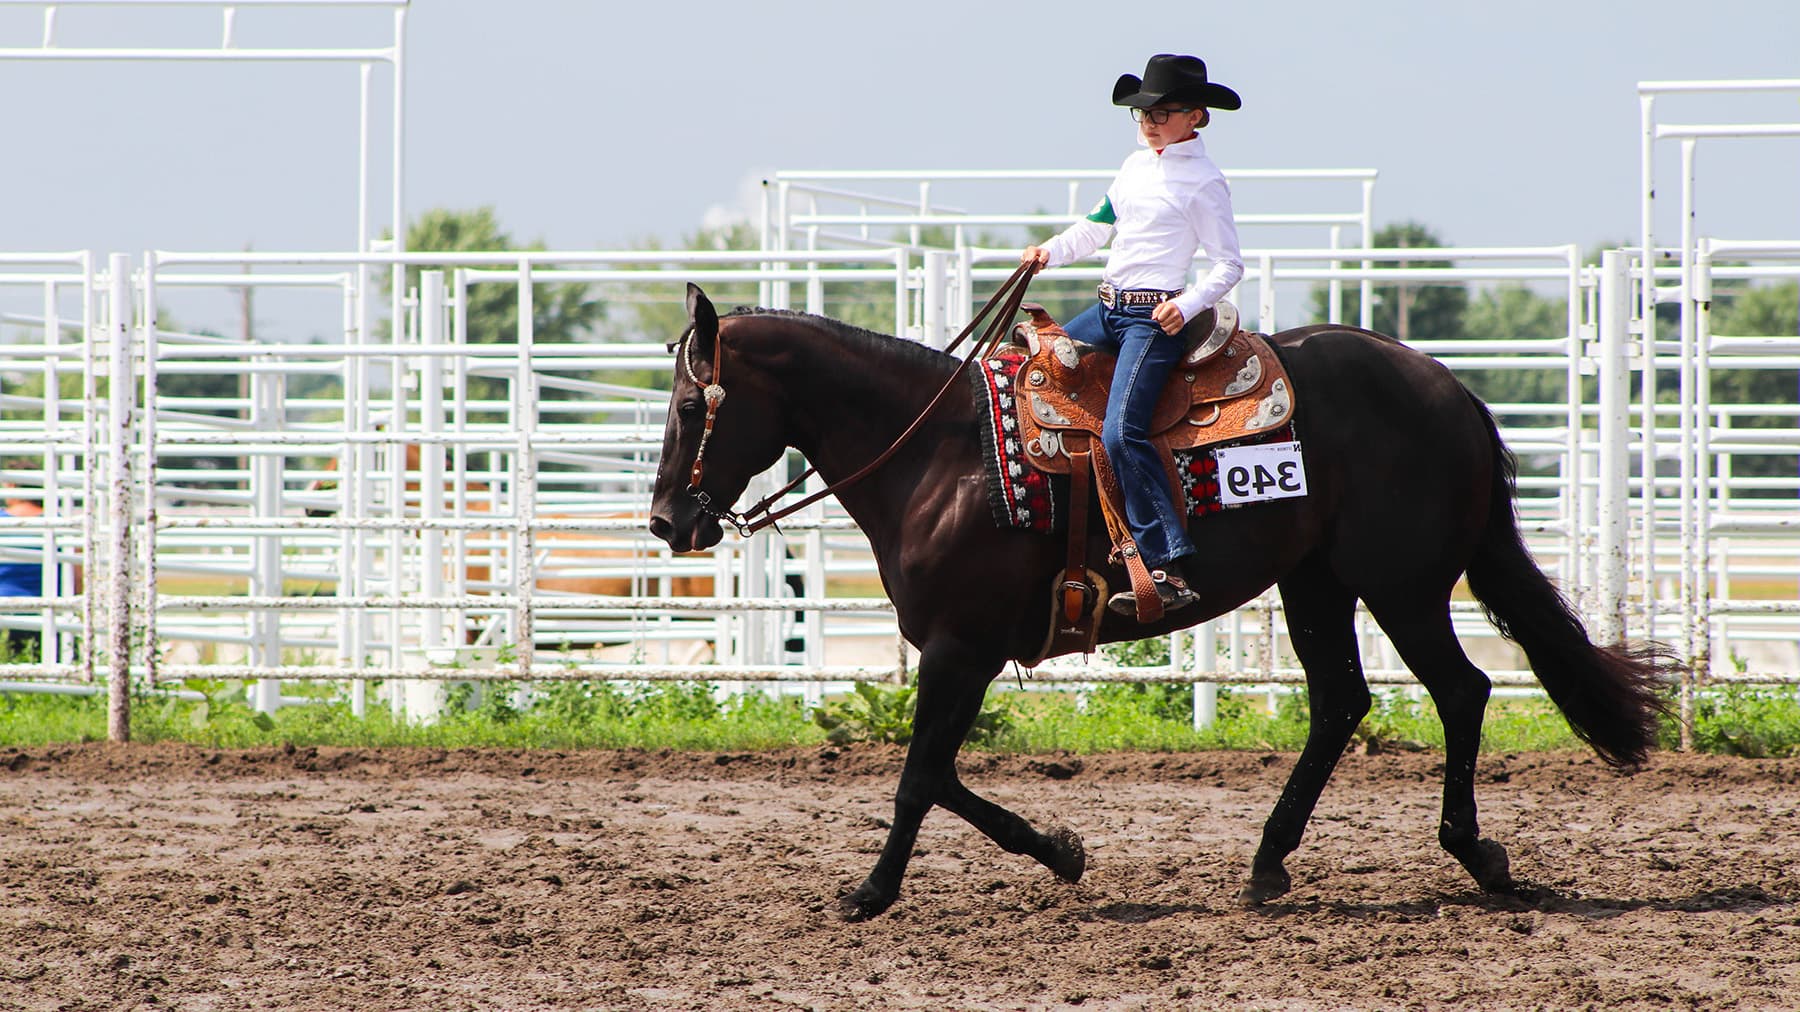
x=180 y=878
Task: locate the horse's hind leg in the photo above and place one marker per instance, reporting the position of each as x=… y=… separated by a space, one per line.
x=1321 y=624
x=1423 y=636
x=952 y=685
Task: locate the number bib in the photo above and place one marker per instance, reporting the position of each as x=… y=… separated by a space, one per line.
x=1259 y=473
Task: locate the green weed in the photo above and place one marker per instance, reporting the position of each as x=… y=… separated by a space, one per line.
x=17 y=651
x=691 y=715
x=885 y=713
x=221 y=714
x=1740 y=720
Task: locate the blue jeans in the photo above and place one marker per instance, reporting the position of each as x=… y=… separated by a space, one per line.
x=1146 y=357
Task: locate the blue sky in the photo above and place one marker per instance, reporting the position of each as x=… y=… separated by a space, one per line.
x=602 y=125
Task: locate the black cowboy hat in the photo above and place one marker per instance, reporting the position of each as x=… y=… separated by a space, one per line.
x=1171 y=78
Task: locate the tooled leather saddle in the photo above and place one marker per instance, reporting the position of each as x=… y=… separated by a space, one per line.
x=1228 y=385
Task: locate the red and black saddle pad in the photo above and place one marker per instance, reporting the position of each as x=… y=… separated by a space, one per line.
x=1019 y=495
x=1199 y=469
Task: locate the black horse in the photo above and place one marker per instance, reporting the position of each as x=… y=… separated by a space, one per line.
x=1409 y=488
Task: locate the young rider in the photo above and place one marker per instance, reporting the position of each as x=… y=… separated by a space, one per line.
x=1168 y=202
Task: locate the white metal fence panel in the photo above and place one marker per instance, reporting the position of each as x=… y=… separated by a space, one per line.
x=458 y=523
x=401 y=499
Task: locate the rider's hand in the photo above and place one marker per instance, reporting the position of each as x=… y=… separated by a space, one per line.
x=1168 y=317
x=1037 y=256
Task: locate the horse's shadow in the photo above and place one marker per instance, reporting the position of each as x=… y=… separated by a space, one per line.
x=1144 y=913
x=1525 y=897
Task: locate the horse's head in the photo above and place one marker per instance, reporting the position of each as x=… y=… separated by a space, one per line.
x=724 y=428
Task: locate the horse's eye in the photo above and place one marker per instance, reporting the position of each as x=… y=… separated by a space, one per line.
x=690 y=409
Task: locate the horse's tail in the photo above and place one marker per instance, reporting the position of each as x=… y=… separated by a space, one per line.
x=1609 y=694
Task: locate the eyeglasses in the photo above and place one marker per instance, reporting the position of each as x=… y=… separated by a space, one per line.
x=1156 y=116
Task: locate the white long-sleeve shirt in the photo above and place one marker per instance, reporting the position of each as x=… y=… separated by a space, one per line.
x=1162 y=209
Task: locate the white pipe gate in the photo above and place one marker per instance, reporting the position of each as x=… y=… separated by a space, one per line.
x=393 y=610
x=174 y=541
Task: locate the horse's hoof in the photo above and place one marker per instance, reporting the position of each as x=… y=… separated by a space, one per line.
x=1490 y=867
x=1068 y=858
x=865 y=902
x=1265 y=886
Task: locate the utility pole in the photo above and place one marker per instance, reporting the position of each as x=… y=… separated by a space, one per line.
x=246 y=333
x=1403 y=296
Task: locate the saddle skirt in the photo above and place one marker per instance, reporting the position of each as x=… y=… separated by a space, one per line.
x=1228 y=385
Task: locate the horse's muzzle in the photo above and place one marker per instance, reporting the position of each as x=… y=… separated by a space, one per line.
x=662 y=528
x=696 y=534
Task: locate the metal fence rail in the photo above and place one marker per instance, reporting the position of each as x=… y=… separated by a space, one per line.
x=346 y=509
x=446 y=528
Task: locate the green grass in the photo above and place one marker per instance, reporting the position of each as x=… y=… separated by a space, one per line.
x=1155 y=718
x=686 y=716
x=1745 y=721
x=569 y=715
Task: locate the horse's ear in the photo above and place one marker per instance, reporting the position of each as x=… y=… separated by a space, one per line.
x=701 y=314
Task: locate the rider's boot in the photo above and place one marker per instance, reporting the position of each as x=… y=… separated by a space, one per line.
x=1170 y=585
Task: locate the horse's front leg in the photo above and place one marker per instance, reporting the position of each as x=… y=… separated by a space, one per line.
x=950 y=694
x=952 y=684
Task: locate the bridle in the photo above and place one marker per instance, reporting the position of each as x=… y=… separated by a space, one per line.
x=1009 y=295
x=714 y=394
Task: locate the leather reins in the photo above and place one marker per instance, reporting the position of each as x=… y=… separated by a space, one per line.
x=1008 y=297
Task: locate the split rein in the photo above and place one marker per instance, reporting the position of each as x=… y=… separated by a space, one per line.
x=1008 y=297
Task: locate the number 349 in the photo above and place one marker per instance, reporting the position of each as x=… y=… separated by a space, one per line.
x=1256 y=481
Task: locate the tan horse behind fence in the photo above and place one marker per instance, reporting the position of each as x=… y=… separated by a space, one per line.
x=561 y=555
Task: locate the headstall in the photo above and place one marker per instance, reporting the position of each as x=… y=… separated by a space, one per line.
x=714 y=393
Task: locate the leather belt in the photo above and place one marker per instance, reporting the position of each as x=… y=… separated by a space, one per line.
x=1113 y=298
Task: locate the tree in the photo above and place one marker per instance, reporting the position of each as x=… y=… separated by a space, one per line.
x=1759 y=311
x=656 y=311
x=1516 y=313
x=1410 y=311
x=561 y=312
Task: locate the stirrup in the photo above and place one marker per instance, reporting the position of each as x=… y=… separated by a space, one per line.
x=1171 y=588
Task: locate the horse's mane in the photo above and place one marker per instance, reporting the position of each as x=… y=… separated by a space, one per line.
x=852 y=334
